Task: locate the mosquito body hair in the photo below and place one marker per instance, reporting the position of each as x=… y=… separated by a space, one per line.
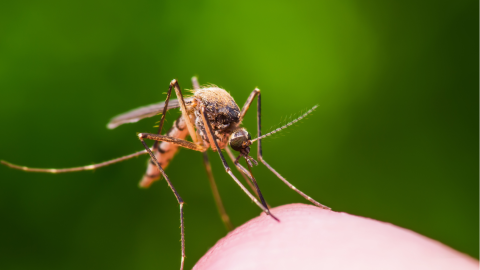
x=286 y=125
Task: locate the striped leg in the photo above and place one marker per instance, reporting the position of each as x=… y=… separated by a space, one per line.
x=256 y=92
x=74 y=169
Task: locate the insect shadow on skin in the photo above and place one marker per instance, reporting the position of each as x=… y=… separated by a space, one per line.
x=213 y=120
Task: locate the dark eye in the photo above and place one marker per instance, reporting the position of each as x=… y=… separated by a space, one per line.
x=238 y=138
x=237 y=142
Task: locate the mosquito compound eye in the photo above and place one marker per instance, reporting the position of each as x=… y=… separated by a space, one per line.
x=238 y=138
x=237 y=142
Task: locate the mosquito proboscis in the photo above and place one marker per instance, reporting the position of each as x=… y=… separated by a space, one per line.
x=213 y=120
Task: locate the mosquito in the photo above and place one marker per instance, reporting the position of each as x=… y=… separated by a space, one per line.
x=213 y=120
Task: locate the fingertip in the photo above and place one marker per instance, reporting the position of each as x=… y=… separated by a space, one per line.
x=310 y=237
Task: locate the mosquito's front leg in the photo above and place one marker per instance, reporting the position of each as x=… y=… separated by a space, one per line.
x=241 y=170
x=250 y=175
x=249 y=101
x=256 y=92
x=213 y=141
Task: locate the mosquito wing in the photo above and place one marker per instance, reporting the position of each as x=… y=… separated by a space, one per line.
x=143 y=112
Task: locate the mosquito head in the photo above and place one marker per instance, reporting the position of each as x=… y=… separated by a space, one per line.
x=240 y=141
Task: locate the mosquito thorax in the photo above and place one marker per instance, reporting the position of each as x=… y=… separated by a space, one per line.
x=239 y=141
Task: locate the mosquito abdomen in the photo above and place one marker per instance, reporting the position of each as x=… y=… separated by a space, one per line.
x=164 y=153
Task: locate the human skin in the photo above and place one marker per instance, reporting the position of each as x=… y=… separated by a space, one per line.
x=308 y=237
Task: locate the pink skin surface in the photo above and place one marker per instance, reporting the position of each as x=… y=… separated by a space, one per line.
x=312 y=238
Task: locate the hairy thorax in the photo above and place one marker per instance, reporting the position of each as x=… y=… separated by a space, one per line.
x=222 y=112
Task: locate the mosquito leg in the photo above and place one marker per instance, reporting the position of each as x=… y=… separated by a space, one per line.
x=293 y=187
x=216 y=194
x=210 y=135
x=173 y=140
x=164 y=152
x=260 y=156
x=183 y=108
x=196 y=85
x=213 y=185
x=248 y=180
x=249 y=101
x=162 y=120
x=152 y=173
x=248 y=175
x=177 y=196
x=75 y=169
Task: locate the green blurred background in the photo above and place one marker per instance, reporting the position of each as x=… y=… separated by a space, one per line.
x=395 y=137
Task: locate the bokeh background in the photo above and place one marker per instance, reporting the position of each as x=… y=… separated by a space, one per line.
x=395 y=137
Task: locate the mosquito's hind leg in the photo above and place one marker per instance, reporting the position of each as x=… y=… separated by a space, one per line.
x=179 y=199
x=74 y=169
x=216 y=194
x=256 y=92
x=211 y=139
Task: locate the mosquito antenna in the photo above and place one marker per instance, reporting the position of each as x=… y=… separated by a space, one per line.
x=285 y=126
